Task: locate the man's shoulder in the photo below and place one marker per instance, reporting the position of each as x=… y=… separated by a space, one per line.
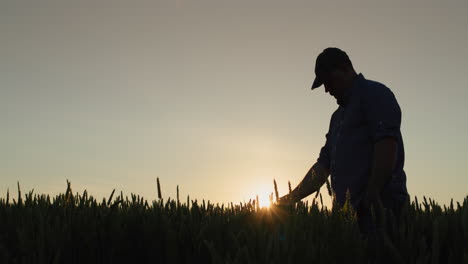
x=371 y=88
x=377 y=97
x=368 y=84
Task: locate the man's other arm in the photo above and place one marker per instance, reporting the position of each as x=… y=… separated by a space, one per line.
x=385 y=154
x=383 y=114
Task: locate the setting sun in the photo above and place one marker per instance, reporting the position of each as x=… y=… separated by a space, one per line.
x=264 y=201
x=263 y=195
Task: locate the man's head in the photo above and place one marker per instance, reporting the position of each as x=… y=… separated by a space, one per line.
x=334 y=70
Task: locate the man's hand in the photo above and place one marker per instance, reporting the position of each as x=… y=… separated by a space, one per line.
x=287 y=200
x=314 y=179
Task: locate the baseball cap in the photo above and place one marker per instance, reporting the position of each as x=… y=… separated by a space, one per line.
x=328 y=60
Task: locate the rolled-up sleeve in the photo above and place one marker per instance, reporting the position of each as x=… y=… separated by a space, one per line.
x=382 y=112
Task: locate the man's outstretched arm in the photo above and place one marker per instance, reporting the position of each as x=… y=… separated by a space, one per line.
x=313 y=180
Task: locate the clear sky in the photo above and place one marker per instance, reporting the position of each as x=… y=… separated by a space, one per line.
x=214 y=95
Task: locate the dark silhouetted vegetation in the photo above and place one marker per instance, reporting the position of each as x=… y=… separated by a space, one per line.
x=76 y=228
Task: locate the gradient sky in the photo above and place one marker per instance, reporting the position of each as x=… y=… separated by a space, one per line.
x=215 y=96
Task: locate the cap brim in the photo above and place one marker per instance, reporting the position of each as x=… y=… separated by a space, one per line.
x=317 y=83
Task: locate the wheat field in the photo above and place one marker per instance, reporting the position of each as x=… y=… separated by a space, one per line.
x=77 y=228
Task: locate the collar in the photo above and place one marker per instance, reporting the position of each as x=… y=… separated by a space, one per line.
x=356 y=82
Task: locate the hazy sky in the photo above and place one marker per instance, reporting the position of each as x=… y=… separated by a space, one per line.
x=215 y=95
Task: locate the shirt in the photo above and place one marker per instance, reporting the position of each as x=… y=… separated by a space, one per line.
x=367 y=113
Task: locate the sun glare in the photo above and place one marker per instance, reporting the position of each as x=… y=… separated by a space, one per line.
x=261 y=191
x=264 y=202
x=263 y=194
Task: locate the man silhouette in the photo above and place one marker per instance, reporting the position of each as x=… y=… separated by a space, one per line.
x=363 y=151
